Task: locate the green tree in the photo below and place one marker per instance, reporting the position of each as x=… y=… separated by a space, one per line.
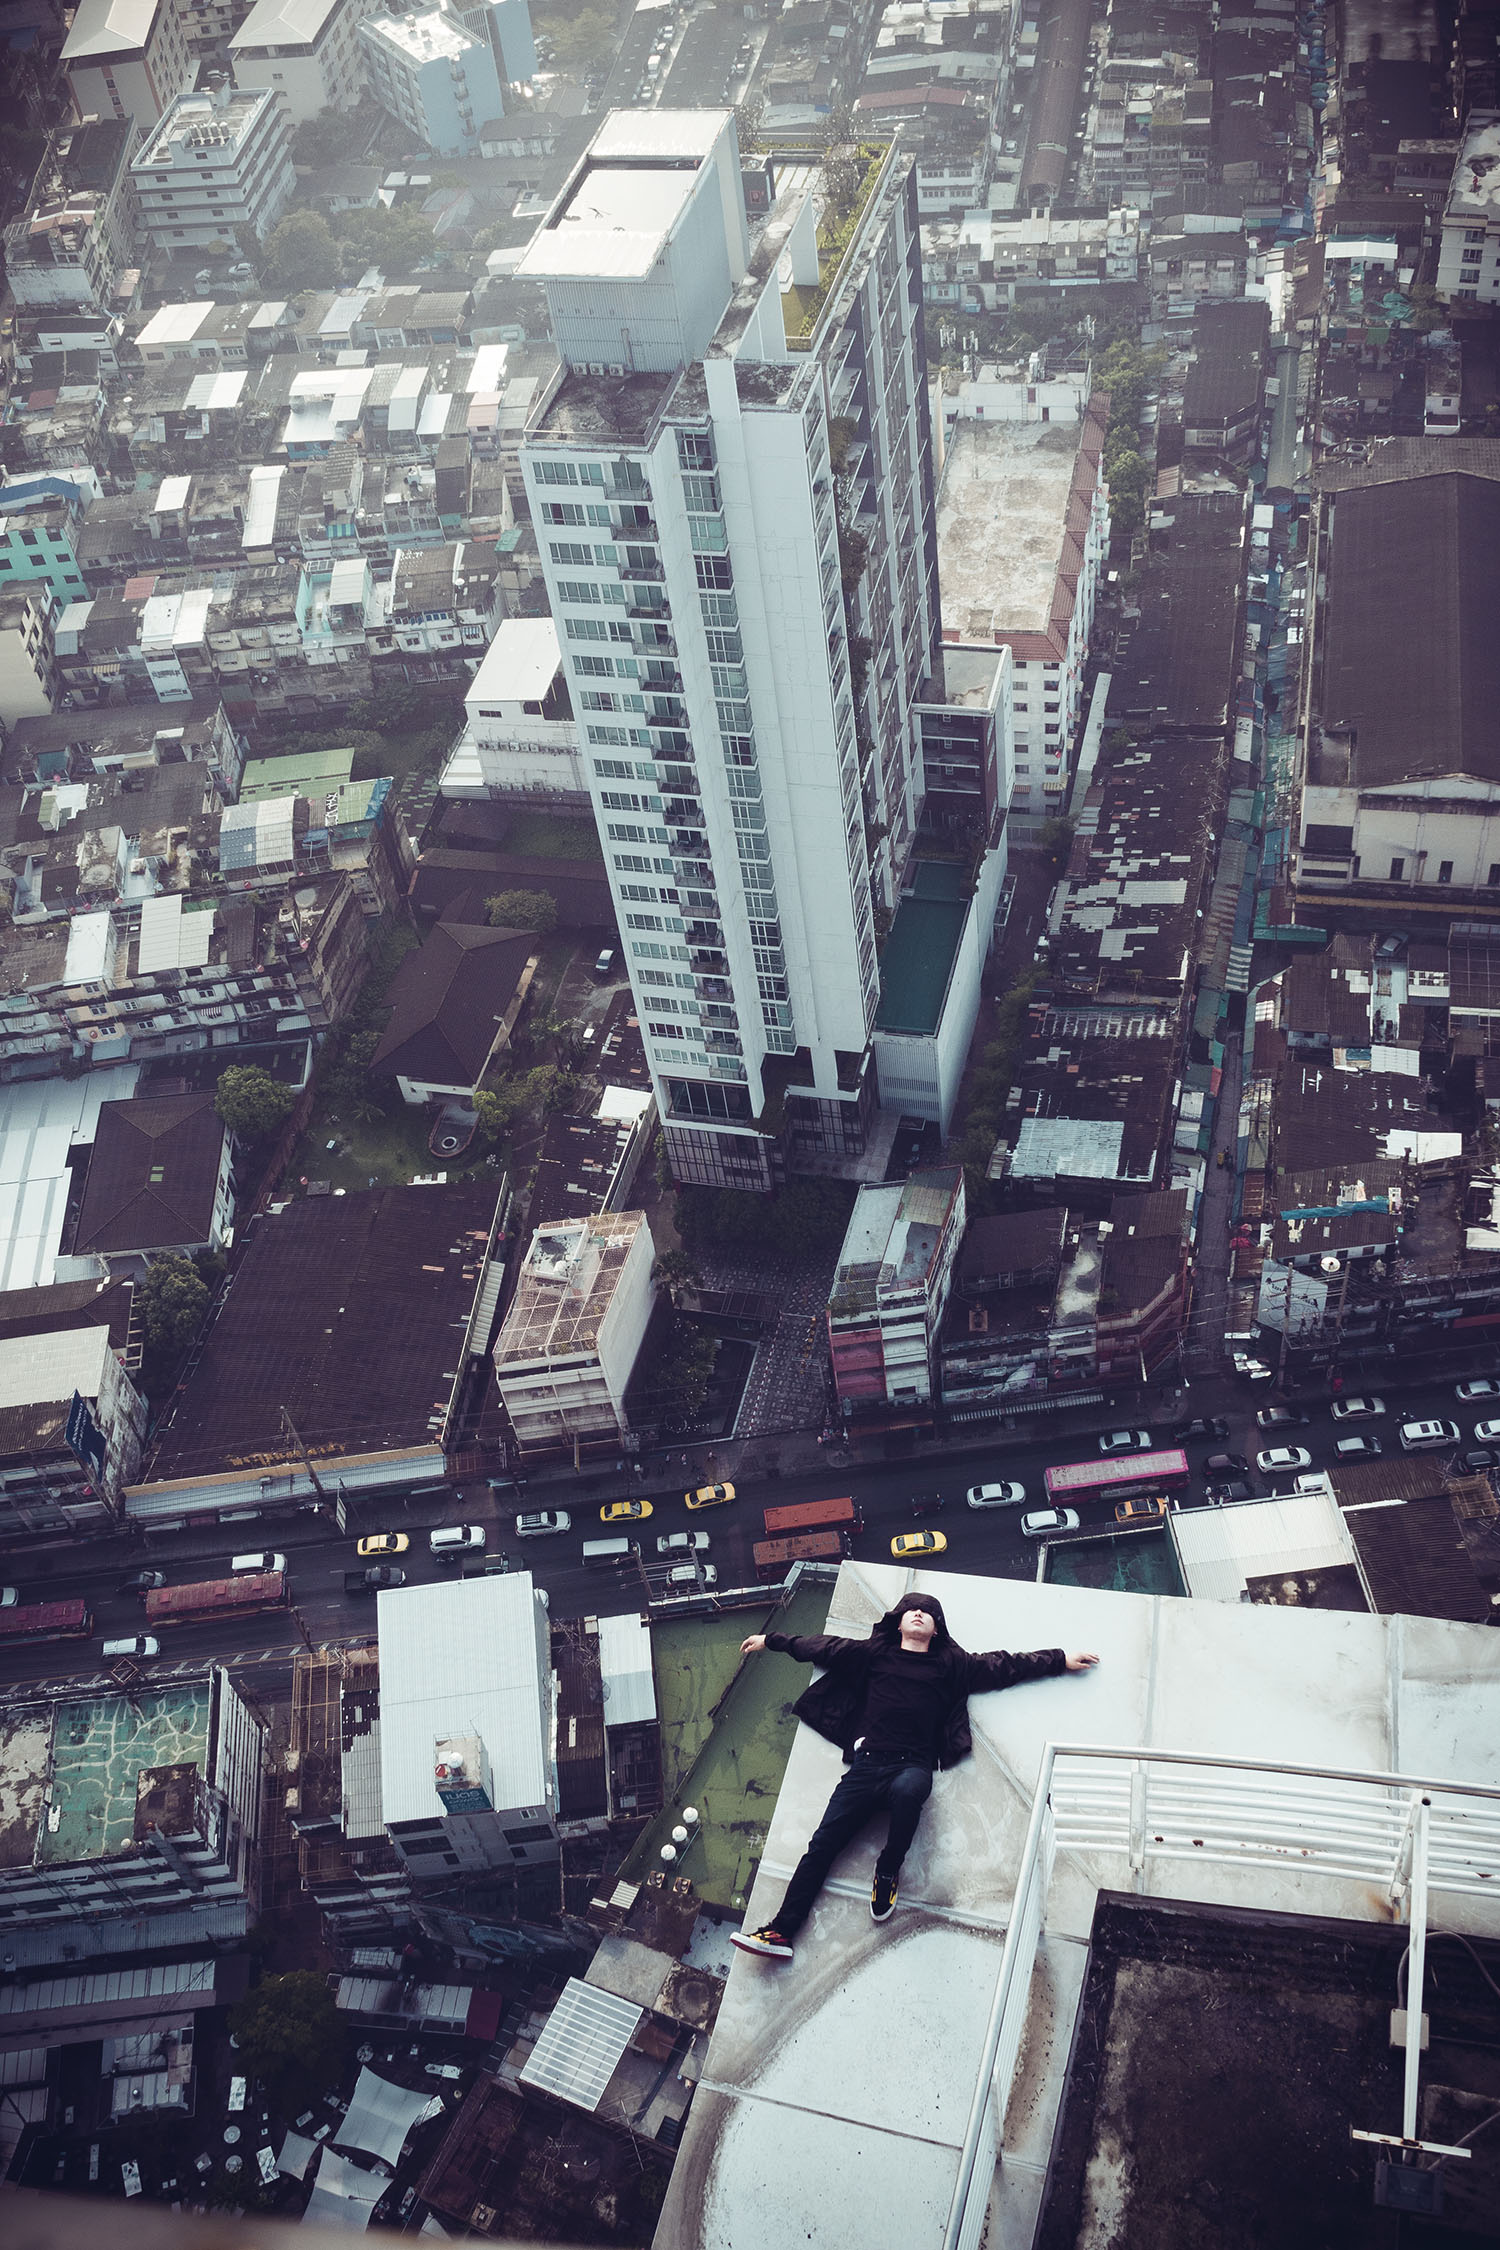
x=678 y=1383
x=586 y=38
x=748 y=119
x=172 y=1300
x=1126 y=475
x=522 y=910
x=291 y=2037
x=252 y=1102
x=329 y=138
x=676 y=1272
x=394 y=238
x=301 y=253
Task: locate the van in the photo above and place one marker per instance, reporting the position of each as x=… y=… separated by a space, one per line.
x=138 y=1644
x=263 y=1559
x=610 y=1550
x=455 y=1539
x=1427 y=1437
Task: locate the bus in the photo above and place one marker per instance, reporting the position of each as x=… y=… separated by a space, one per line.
x=46 y=1621
x=1116 y=1476
x=772 y=1557
x=813 y=1515
x=217 y=1597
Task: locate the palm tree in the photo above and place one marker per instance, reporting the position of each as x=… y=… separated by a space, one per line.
x=675 y=1271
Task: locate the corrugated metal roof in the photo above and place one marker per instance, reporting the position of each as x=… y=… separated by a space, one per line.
x=462 y=1658
x=581 y=2045
x=99 y=1988
x=1220 y=1549
x=625 y=1668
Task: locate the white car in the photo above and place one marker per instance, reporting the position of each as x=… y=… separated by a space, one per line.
x=1007 y=1495
x=1277 y=1459
x=1482 y=1386
x=1040 y=1521
x=1487 y=1433
x=686 y=1577
x=541 y=1521
x=1356 y=1409
x=137 y=1644
x=1125 y=1441
x=682 y=1543
x=263 y=1560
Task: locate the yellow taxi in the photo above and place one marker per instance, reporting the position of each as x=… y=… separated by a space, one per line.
x=624 y=1511
x=382 y=1543
x=909 y=1543
x=709 y=1495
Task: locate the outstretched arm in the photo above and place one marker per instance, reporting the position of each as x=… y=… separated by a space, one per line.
x=803 y=1648
x=1000 y=1668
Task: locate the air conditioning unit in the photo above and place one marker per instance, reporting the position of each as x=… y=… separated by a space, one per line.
x=615 y=367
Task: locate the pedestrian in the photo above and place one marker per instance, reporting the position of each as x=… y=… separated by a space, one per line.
x=897 y=1706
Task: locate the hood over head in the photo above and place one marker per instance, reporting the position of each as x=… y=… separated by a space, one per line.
x=888 y=1628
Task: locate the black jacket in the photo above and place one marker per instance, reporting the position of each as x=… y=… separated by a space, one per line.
x=835 y=1703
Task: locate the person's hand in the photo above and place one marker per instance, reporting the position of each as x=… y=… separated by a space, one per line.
x=754 y=1645
x=1074 y=1663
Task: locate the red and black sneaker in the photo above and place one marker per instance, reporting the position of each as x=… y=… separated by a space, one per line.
x=768 y=1941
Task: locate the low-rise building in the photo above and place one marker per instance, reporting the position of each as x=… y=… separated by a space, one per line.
x=890 y=1291
x=980 y=262
x=28 y=674
x=520 y=739
x=454 y=1004
x=160 y=1181
x=128 y=58
x=468 y=1778
x=70 y=245
x=1469 y=254
x=40 y=521
x=1224 y=387
x=213 y=163
x=569 y=1343
x=65 y=1468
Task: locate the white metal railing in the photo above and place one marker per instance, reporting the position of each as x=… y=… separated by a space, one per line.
x=1413 y=1836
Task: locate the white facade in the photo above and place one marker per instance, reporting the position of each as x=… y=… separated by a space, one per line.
x=214 y=163
x=568 y=1346
x=1469 y=257
x=305 y=50
x=520 y=738
x=27 y=680
x=1426 y=830
x=468 y=1780
x=47 y=1370
x=436 y=77
x=127 y=58
x=755 y=794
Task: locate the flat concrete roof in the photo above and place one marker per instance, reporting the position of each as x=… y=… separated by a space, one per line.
x=1002 y=510
x=520 y=664
x=841 y=2084
x=614 y=223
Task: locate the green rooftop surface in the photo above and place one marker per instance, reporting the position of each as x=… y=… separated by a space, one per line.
x=919 y=953
x=727 y=1730
x=99 y=1749
x=297 y=773
x=1141 y=1563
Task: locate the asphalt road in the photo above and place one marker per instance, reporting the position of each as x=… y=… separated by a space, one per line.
x=987 y=1542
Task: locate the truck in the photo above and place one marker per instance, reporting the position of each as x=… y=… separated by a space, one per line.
x=372 y=1578
x=773 y=1557
x=217 y=1597
x=46 y=1621
x=813 y=1515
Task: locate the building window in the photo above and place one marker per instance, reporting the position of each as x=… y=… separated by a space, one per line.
x=1445 y=870
x=1398 y=870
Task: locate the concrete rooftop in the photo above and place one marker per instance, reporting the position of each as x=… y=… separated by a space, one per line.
x=1002 y=511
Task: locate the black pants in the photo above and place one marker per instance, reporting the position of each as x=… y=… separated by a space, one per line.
x=873 y=1781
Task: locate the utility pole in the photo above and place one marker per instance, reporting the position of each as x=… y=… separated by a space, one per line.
x=290 y=1427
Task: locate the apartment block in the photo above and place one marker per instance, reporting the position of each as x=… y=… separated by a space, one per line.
x=568 y=1345
x=40 y=522
x=439 y=80
x=71 y=244
x=215 y=162
x=127 y=59
x=732 y=487
x=1469 y=253
x=890 y=1291
x=28 y=677
x=305 y=50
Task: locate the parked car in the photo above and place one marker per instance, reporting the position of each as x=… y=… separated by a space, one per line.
x=135 y=1644
x=263 y=1559
x=910 y=1543
x=1252 y=1370
x=542 y=1521
x=1429 y=1435
x=1039 y=1521
x=625 y=1511
x=1479 y=1386
x=925 y=1504
x=1226 y=1465
x=455 y=1539
x=686 y=1575
x=604 y=965
x=9 y=1596
x=1356 y=1409
x=682 y=1543
x=1235 y=1489
x=1007 y=1495
x=1278 y=1459
x=1487 y=1433
x=1202 y=1425
x=1142 y=1511
x=1125 y=1441
x=1356 y=1449
x=382 y=1543
x=373 y=1578
x=709 y=1495
x=1281 y=1418
x=1478 y=1459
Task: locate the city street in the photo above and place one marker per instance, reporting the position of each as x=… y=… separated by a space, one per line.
x=987 y=1541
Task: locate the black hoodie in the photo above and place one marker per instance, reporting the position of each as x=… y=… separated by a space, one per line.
x=835 y=1704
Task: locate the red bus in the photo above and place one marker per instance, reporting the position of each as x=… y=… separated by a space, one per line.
x=1117 y=1475
x=216 y=1597
x=47 y=1621
x=773 y=1556
x=813 y=1515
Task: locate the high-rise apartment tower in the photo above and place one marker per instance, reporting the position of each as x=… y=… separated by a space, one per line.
x=732 y=487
